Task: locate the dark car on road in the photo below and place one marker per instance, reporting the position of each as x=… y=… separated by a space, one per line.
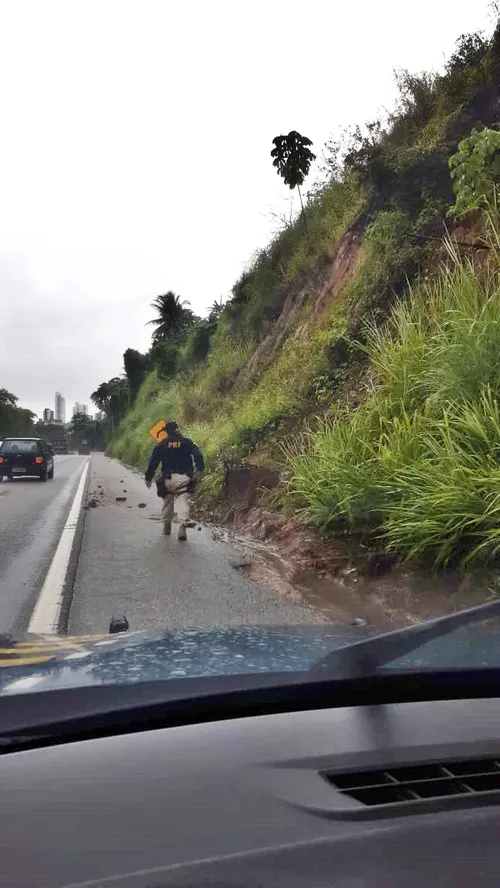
x=60 y=446
x=22 y=457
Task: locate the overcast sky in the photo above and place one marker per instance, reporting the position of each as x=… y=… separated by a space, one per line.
x=134 y=153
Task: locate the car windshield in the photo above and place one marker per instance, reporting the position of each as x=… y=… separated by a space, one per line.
x=249 y=376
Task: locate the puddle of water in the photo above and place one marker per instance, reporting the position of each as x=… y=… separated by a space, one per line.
x=398 y=598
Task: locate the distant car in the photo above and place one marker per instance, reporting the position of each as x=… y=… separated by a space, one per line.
x=22 y=457
x=60 y=446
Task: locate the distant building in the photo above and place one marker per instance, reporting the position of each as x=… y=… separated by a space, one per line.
x=48 y=415
x=98 y=416
x=80 y=408
x=60 y=411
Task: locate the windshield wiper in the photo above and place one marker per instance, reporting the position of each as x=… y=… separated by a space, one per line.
x=364 y=658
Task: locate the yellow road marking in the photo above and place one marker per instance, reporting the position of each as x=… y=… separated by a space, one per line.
x=25 y=661
x=37 y=649
x=48 y=646
x=28 y=653
x=19 y=653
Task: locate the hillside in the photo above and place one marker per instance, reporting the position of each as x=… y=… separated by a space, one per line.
x=358 y=359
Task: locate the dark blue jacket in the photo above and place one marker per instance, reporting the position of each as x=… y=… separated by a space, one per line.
x=176 y=455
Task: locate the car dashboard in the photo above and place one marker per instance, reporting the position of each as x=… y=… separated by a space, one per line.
x=402 y=794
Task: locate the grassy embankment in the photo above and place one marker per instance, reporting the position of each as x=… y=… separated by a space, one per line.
x=415 y=464
x=418 y=464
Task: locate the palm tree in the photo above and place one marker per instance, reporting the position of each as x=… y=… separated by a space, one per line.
x=171 y=315
x=214 y=313
x=292 y=159
x=216 y=308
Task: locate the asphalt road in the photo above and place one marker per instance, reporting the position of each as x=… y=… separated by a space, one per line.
x=124 y=564
x=127 y=566
x=32 y=515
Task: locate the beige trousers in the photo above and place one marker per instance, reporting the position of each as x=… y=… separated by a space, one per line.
x=181 y=501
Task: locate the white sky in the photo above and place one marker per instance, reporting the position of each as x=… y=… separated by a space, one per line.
x=134 y=153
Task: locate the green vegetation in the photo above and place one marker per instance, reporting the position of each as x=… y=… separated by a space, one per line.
x=475 y=171
x=83 y=431
x=367 y=291
x=114 y=397
x=14 y=420
x=418 y=463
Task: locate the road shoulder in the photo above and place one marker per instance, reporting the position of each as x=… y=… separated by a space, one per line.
x=127 y=566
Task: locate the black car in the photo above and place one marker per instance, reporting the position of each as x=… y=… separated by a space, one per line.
x=21 y=457
x=60 y=446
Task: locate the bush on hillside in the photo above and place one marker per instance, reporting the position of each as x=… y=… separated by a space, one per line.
x=475 y=171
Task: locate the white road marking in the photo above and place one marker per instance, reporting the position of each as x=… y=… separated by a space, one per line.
x=78 y=655
x=45 y=617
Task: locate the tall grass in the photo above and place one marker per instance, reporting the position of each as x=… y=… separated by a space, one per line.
x=443 y=344
x=418 y=464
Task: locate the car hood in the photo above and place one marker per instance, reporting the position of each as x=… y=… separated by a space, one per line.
x=45 y=663
x=37 y=663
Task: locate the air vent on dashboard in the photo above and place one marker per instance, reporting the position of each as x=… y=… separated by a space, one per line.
x=418 y=782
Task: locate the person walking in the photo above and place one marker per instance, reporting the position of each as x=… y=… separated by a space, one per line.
x=179 y=458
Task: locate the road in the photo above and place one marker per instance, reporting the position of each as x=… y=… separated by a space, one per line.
x=32 y=515
x=121 y=562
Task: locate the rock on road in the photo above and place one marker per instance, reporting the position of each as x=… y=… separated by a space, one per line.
x=127 y=566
